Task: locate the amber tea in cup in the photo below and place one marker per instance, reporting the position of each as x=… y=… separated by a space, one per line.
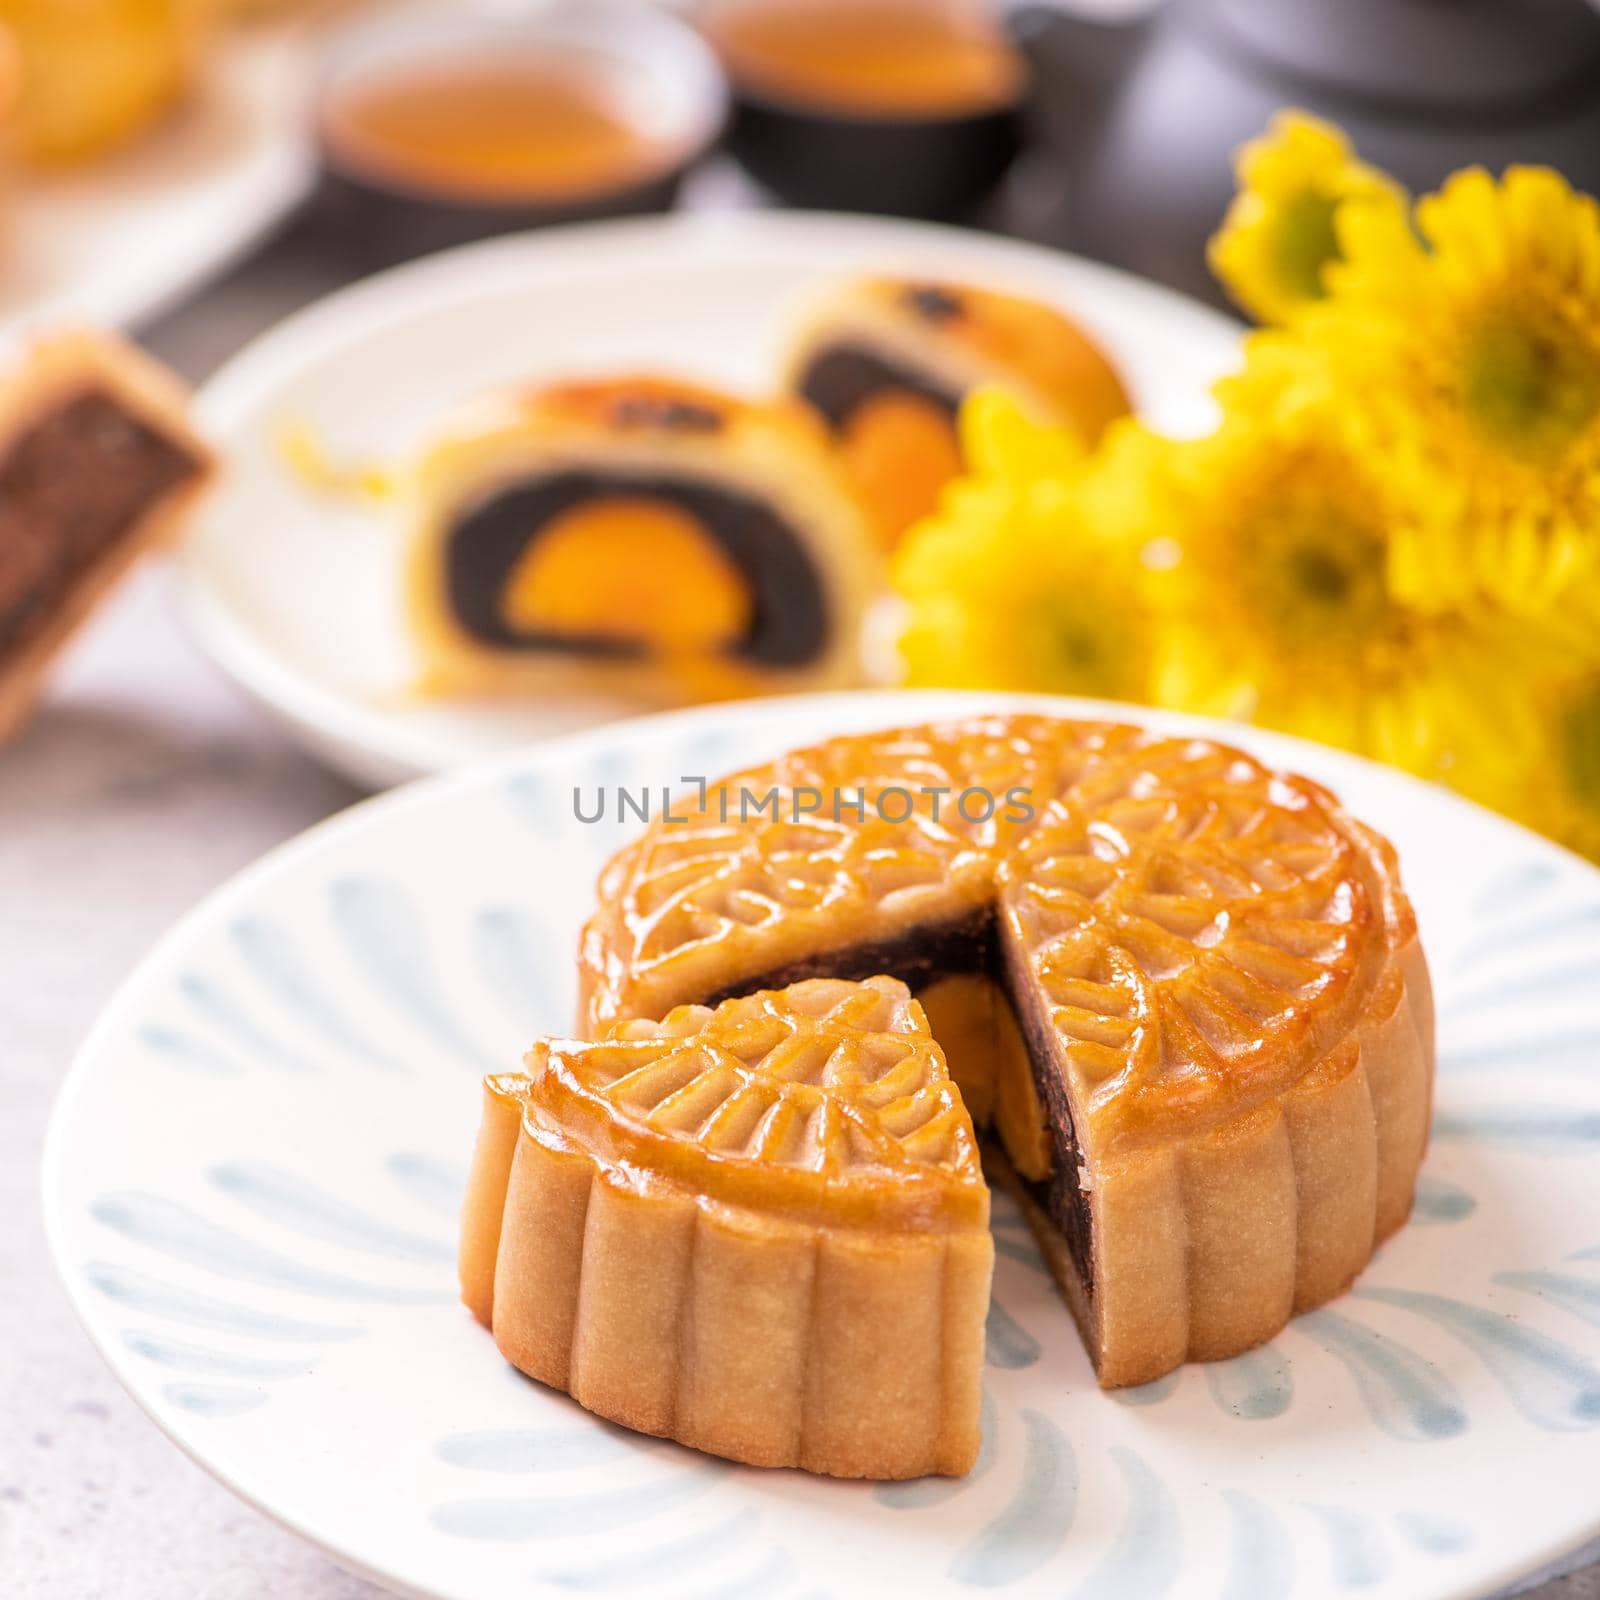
x=869 y=58
x=909 y=106
x=491 y=129
x=437 y=134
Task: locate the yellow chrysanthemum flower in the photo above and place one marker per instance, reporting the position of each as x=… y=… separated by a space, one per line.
x=1550 y=779
x=1477 y=360
x=1020 y=580
x=1281 y=231
x=1282 y=611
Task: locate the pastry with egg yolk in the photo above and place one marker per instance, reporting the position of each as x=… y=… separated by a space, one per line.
x=886 y=362
x=642 y=535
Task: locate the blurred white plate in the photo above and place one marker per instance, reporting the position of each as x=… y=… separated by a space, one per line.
x=121 y=239
x=297 y=595
x=252 y=1178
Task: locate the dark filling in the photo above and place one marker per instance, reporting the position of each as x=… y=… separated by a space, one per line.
x=840 y=377
x=1060 y=1195
x=71 y=488
x=789 y=616
x=954 y=948
x=917 y=958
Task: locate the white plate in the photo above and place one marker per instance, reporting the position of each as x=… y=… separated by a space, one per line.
x=121 y=239
x=251 y=1184
x=297 y=596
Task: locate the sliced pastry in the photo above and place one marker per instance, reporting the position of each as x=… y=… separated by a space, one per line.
x=887 y=361
x=1185 y=991
x=639 y=535
x=760 y=1229
x=97 y=463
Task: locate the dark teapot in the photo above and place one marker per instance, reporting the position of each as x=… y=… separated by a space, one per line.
x=1136 y=121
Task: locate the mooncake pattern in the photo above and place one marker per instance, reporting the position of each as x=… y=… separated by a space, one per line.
x=1214 y=968
x=759 y=1229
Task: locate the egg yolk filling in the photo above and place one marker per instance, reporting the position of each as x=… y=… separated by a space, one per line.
x=608 y=563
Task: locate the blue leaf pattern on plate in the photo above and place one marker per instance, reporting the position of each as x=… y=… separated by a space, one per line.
x=385 y=935
x=1260 y=1552
x=515 y=952
x=1549 y=1383
x=174 y=1230
x=151 y=1297
x=1254 y=1386
x=278 y=967
x=1037 y=1519
x=214 y=1399
x=1438 y=1201
x=433 y=1183
x=203 y=1362
x=1404 y=1394
x=282 y=1198
x=1007 y=1342
x=218 y=1009
x=1146 y=1555
x=183 y=1050
x=1356 y=1546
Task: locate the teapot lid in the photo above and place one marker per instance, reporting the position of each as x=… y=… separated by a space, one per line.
x=1437 y=55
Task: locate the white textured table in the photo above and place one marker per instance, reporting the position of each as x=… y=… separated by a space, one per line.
x=143 y=784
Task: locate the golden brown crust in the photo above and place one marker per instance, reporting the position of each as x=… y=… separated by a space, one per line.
x=55 y=372
x=1222 y=963
x=761 y=1231
x=972 y=335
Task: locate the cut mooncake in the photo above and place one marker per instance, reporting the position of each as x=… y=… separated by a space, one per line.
x=887 y=361
x=97 y=464
x=642 y=536
x=760 y=1229
x=1185 y=992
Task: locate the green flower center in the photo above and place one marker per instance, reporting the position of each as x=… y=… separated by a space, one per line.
x=1531 y=390
x=1314 y=577
x=1580 y=747
x=1079 y=647
x=1305 y=242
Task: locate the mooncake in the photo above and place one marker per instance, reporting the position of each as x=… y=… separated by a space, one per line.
x=887 y=361
x=640 y=535
x=1184 y=992
x=760 y=1229
x=97 y=464
x=95 y=74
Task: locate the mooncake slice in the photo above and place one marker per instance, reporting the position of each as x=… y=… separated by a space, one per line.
x=639 y=535
x=759 y=1229
x=887 y=361
x=1184 y=990
x=97 y=464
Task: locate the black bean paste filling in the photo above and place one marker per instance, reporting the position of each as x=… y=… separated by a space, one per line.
x=954 y=948
x=840 y=378
x=72 y=487
x=789 y=610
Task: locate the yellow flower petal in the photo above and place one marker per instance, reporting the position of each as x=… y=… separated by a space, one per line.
x=1282 y=230
x=1476 y=362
